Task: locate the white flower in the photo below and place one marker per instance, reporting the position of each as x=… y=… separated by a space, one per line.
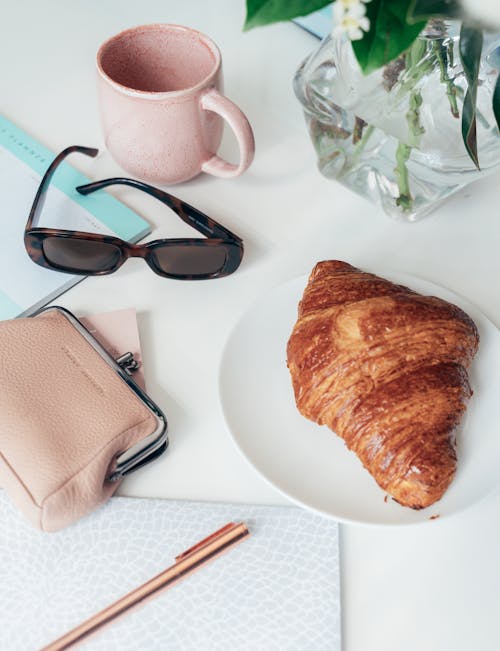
x=349 y=18
x=348 y=4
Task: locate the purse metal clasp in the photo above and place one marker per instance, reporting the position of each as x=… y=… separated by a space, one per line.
x=128 y=363
x=140 y=454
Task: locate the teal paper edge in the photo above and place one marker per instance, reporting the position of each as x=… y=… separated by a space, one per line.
x=115 y=215
x=319 y=23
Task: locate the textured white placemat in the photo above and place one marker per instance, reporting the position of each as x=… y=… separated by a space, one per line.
x=278 y=590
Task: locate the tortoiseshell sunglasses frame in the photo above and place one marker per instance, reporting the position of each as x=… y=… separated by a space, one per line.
x=216 y=234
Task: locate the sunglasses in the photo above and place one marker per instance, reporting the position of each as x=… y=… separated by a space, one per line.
x=85 y=254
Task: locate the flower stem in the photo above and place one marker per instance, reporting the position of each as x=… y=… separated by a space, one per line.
x=405 y=199
x=451 y=53
x=413 y=118
x=416 y=66
x=403 y=152
x=442 y=56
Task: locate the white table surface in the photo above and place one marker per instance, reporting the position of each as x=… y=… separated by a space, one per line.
x=432 y=587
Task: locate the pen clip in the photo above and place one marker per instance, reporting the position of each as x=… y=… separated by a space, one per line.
x=202 y=543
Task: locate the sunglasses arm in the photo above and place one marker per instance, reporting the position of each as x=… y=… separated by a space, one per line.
x=195 y=218
x=88 y=151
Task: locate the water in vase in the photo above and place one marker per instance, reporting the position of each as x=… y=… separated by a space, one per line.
x=394 y=136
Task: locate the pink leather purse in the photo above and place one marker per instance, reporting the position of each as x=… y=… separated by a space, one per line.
x=72 y=420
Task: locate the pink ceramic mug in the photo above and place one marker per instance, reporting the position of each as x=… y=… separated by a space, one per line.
x=162 y=107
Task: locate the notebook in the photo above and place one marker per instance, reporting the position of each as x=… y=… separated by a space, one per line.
x=24 y=286
x=279 y=589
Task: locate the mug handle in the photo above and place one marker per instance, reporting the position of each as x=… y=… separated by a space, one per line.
x=212 y=100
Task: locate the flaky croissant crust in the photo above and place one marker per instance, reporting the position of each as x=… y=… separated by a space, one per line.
x=384 y=368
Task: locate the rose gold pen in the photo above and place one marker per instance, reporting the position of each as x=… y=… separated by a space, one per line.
x=189 y=561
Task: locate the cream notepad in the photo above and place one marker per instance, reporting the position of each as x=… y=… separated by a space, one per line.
x=277 y=590
x=118 y=333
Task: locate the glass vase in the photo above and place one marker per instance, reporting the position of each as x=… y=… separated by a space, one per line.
x=394 y=136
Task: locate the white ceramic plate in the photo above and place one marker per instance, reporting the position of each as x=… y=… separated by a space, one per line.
x=310 y=464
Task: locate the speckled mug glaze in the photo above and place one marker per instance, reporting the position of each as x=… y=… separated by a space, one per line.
x=162 y=108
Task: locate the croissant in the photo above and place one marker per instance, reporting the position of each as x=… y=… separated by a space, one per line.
x=384 y=368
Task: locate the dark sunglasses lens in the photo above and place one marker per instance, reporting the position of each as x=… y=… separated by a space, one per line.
x=81 y=255
x=186 y=260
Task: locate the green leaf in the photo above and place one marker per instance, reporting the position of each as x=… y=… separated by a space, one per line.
x=470 y=46
x=425 y=9
x=496 y=101
x=263 y=12
x=469 y=128
x=389 y=34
